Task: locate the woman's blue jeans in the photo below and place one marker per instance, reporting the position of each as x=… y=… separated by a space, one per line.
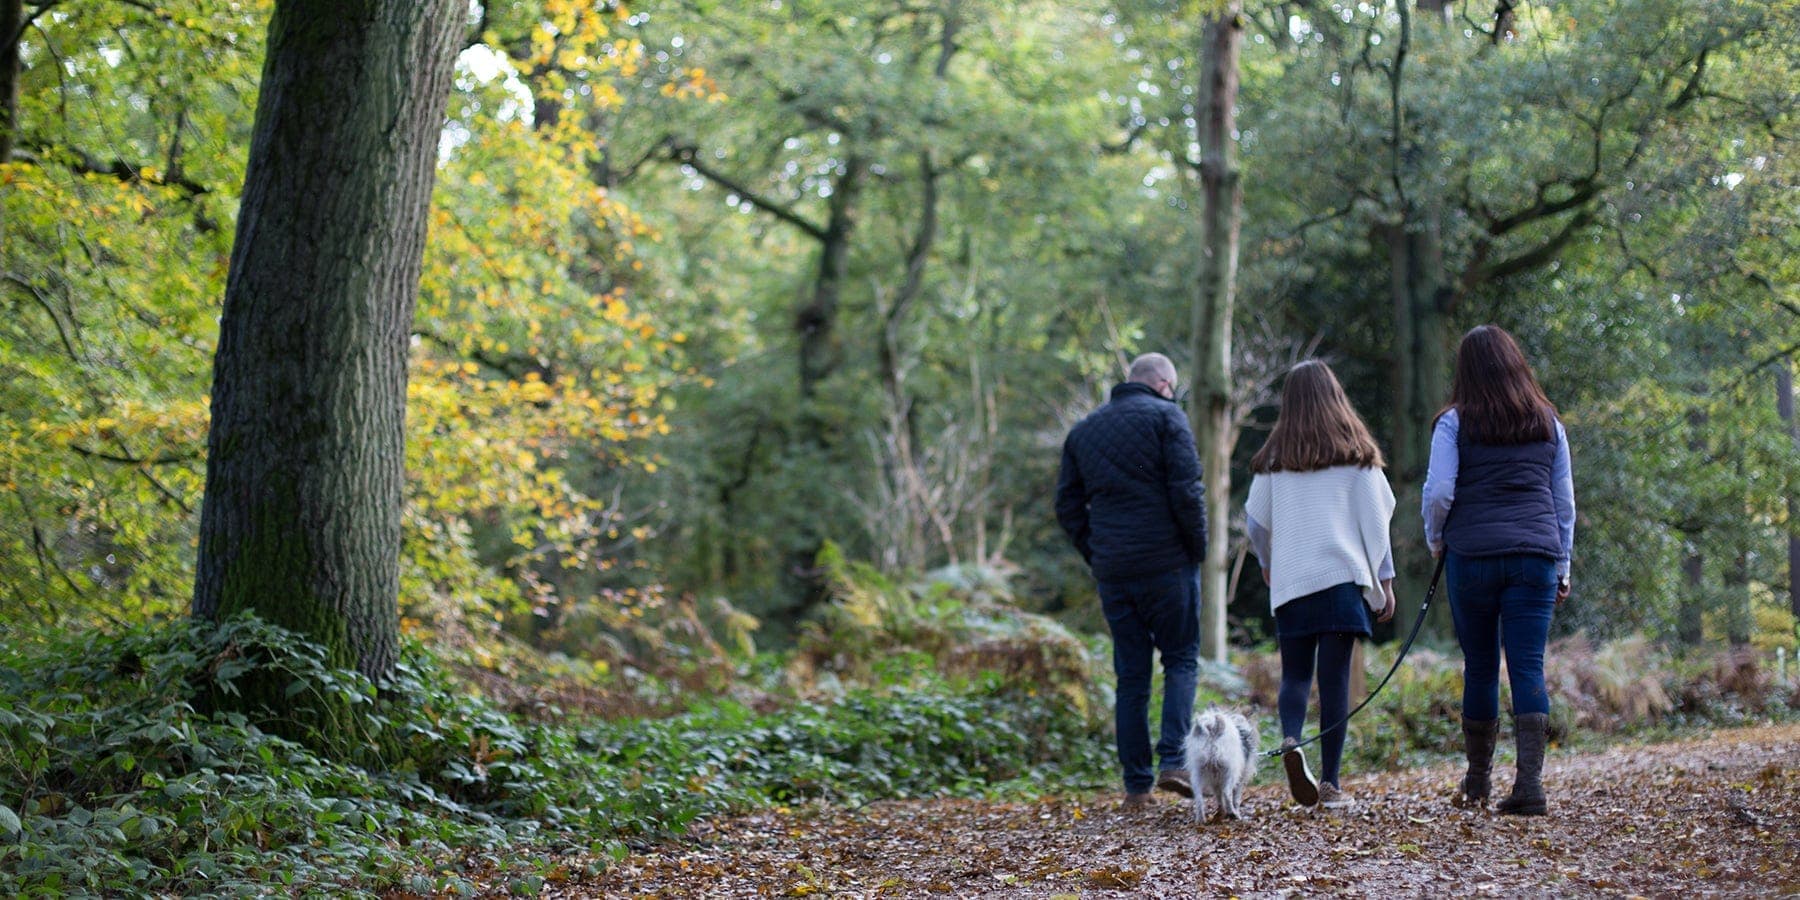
x=1502 y=603
x=1156 y=613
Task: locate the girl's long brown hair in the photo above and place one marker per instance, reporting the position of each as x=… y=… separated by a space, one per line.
x=1496 y=398
x=1317 y=427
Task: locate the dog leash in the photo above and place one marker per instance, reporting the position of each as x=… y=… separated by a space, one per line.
x=1419 y=620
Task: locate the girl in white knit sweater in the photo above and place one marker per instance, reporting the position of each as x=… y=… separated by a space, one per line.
x=1318 y=516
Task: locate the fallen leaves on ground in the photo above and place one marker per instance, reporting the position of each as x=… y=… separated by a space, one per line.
x=1716 y=817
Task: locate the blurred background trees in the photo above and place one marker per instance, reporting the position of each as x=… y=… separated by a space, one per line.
x=710 y=286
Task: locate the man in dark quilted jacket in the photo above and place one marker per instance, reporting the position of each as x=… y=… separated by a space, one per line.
x=1130 y=499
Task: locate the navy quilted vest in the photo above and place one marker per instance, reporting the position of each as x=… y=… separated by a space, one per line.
x=1503 y=502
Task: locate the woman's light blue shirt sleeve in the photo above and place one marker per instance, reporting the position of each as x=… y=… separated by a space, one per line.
x=1259 y=539
x=1562 y=490
x=1440 y=480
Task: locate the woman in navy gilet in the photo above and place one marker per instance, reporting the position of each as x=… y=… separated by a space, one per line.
x=1499 y=498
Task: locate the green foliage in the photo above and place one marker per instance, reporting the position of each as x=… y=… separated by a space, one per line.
x=955 y=622
x=115 y=227
x=120 y=785
x=118 y=210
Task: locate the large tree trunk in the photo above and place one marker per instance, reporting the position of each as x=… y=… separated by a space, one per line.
x=1740 y=603
x=1690 y=609
x=816 y=320
x=1422 y=360
x=1784 y=405
x=12 y=21
x=301 y=518
x=1423 y=299
x=1221 y=209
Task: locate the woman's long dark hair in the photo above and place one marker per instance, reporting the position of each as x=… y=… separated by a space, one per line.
x=1496 y=398
x=1317 y=427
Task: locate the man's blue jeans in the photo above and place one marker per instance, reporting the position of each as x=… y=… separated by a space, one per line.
x=1502 y=602
x=1160 y=613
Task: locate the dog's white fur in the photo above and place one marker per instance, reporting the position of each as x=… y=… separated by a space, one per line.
x=1221 y=758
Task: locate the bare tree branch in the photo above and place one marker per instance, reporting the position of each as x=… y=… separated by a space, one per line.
x=84 y=163
x=689 y=156
x=1530 y=259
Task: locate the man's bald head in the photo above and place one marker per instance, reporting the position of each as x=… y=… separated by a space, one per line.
x=1155 y=370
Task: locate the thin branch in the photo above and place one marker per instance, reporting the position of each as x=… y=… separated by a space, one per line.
x=30 y=20
x=689 y=156
x=1766 y=362
x=1320 y=219
x=1691 y=90
x=1529 y=259
x=129 y=460
x=815 y=116
x=164 y=490
x=1632 y=257
x=512 y=365
x=1582 y=190
x=84 y=163
x=1125 y=144
x=37 y=294
x=162 y=16
x=1397 y=115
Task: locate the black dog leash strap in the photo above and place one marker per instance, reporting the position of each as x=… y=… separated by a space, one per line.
x=1405 y=648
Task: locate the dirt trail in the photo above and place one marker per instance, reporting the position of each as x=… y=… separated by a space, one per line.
x=1718 y=817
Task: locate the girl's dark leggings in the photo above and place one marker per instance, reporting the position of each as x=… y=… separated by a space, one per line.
x=1332 y=652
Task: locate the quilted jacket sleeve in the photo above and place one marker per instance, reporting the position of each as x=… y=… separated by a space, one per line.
x=1072 y=504
x=1187 y=494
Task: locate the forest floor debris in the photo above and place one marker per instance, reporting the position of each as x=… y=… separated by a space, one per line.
x=1717 y=816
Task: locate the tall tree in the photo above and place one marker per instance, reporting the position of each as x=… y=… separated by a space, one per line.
x=1784 y=405
x=1222 y=201
x=1690 y=623
x=12 y=29
x=301 y=516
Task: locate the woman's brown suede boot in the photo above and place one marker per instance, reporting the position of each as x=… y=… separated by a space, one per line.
x=1527 y=798
x=1479 y=736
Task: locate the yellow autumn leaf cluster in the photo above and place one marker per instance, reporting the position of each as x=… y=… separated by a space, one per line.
x=535 y=372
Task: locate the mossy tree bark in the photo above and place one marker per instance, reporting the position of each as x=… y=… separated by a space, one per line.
x=301 y=517
x=1210 y=410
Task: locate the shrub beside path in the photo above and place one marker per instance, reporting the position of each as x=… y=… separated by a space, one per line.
x=1716 y=816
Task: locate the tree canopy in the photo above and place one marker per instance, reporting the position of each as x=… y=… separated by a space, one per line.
x=710 y=285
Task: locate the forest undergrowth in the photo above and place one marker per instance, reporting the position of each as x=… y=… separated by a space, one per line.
x=504 y=773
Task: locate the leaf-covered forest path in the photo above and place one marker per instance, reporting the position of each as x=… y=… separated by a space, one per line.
x=1717 y=817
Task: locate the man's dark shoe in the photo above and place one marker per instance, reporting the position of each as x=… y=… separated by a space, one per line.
x=1137 y=801
x=1175 y=781
x=1301 y=782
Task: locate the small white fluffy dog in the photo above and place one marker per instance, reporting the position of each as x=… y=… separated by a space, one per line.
x=1221 y=758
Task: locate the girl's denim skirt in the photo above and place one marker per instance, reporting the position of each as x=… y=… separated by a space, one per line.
x=1339 y=608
